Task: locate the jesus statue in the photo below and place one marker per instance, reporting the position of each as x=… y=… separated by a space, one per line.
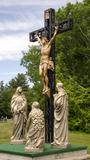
x=46 y=61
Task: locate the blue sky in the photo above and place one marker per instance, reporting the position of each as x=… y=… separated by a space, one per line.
x=17 y=19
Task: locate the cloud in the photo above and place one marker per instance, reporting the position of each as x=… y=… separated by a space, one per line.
x=16 y=25
x=9 y=73
x=12 y=47
x=24 y=22
x=14 y=34
x=10 y=55
x=28 y=2
x=7 y=76
x=37 y=2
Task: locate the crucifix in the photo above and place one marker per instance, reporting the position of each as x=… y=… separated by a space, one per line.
x=49 y=32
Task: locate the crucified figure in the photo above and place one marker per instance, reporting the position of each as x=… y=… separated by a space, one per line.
x=46 y=61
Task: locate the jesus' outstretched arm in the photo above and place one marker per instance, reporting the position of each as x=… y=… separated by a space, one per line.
x=54 y=35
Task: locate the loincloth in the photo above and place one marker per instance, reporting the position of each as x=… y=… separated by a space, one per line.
x=49 y=63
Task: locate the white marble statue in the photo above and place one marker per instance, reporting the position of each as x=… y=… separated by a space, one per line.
x=35 y=129
x=60 y=117
x=19 y=111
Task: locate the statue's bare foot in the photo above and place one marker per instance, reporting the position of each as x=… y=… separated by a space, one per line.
x=32 y=149
x=53 y=144
x=62 y=145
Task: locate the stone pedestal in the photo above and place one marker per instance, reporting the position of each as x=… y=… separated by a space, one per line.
x=16 y=152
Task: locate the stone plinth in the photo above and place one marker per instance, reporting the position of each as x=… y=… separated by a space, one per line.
x=16 y=152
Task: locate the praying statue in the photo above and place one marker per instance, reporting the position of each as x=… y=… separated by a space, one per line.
x=35 y=129
x=19 y=111
x=60 y=117
x=46 y=61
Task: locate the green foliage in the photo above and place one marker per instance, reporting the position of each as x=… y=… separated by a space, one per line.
x=73 y=48
x=19 y=80
x=5 y=95
x=79 y=111
x=73 y=61
x=30 y=60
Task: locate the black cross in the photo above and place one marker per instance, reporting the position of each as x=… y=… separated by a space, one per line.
x=48 y=30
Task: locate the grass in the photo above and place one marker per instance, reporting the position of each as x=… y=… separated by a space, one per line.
x=74 y=137
x=5 y=131
x=80 y=138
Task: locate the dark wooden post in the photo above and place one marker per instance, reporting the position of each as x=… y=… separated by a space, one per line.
x=49 y=25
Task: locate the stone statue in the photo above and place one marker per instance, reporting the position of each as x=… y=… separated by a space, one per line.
x=60 y=117
x=19 y=111
x=46 y=61
x=35 y=129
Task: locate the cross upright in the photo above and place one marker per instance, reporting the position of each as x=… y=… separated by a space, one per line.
x=48 y=31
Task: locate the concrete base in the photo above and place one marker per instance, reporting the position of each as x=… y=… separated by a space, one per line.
x=79 y=155
x=16 y=152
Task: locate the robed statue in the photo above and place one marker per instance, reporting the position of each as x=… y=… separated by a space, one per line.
x=46 y=61
x=60 y=117
x=35 y=129
x=19 y=111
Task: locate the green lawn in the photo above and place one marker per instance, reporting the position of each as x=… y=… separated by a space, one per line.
x=80 y=138
x=75 y=137
x=5 y=131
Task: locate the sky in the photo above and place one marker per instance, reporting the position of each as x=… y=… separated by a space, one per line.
x=17 y=19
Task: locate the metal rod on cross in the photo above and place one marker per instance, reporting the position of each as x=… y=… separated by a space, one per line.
x=47 y=31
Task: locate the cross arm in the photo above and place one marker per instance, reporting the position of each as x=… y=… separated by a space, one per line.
x=39 y=33
x=65 y=25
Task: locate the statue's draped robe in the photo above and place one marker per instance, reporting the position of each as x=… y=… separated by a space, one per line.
x=61 y=119
x=18 y=102
x=36 y=131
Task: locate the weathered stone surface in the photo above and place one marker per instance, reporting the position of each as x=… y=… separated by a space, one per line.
x=60 y=117
x=19 y=111
x=76 y=155
x=35 y=129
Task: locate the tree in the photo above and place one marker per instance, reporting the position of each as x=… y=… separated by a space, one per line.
x=30 y=61
x=4 y=100
x=73 y=57
x=73 y=48
x=19 y=80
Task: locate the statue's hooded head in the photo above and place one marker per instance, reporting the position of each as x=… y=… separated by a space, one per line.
x=19 y=90
x=35 y=105
x=59 y=86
